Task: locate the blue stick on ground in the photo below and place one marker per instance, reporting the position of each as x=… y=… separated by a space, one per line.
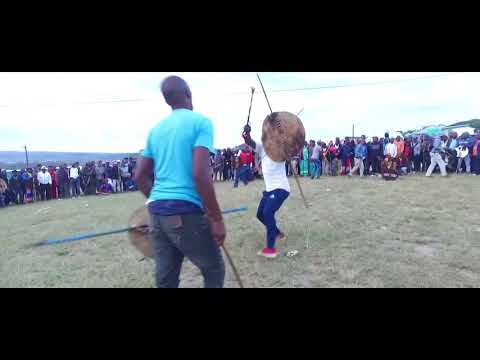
x=94 y=235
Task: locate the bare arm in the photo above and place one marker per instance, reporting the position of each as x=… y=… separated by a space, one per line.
x=204 y=184
x=249 y=141
x=143 y=176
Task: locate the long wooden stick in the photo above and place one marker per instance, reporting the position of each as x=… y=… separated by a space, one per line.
x=290 y=161
x=239 y=280
x=91 y=236
x=264 y=93
x=299 y=186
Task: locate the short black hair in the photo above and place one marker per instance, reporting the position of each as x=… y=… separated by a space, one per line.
x=175 y=90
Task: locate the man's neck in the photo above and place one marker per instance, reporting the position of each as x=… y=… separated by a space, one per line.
x=181 y=107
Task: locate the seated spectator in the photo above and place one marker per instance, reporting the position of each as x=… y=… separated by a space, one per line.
x=389 y=168
x=106 y=188
x=130 y=185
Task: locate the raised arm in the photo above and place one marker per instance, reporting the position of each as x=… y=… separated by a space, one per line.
x=248 y=139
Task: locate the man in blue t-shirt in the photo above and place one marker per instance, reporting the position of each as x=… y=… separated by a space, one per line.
x=186 y=217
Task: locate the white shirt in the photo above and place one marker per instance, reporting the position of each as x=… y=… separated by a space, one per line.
x=74 y=173
x=44 y=179
x=274 y=172
x=391 y=149
x=316 y=153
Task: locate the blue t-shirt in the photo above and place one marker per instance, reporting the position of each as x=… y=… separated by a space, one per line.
x=170 y=144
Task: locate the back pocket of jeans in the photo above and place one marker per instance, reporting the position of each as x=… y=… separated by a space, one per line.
x=173 y=227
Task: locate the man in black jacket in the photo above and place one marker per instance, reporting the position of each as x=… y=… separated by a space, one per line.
x=375 y=155
x=115 y=177
x=90 y=179
x=15 y=185
x=227 y=165
x=63 y=182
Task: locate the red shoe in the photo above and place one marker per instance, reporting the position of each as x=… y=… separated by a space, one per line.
x=268 y=253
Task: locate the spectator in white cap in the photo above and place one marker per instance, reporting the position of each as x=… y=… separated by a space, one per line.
x=44 y=181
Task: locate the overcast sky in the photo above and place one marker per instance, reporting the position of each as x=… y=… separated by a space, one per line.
x=113 y=112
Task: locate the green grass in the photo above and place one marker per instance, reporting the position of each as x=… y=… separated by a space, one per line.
x=414 y=232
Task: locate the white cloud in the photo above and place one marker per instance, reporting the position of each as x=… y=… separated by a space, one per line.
x=47 y=111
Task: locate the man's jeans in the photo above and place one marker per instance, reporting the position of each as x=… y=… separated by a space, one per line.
x=334 y=167
x=243 y=173
x=18 y=196
x=188 y=235
x=316 y=168
x=417 y=160
x=75 y=184
x=269 y=205
x=64 y=190
x=467 y=164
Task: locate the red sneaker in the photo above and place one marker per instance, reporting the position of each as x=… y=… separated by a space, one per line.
x=268 y=253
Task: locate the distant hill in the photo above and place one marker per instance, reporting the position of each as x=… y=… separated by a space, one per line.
x=16 y=159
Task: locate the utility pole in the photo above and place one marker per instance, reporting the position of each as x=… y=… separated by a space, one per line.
x=353 y=131
x=26 y=155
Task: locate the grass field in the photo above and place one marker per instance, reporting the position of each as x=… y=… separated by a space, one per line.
x=415 y=232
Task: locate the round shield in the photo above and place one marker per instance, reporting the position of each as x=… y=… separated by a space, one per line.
x=283 y=135
x=140 y=237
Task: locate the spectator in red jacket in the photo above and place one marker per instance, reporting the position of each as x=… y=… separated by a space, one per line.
x=244 y=168
x=53 y=187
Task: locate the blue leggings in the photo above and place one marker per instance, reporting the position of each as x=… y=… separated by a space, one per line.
x=269 y=205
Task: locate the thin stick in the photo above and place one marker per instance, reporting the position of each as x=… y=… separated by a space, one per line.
x=250 y=109
x=299 y=186
x=264 y=93
x=239 y=280
x=91 y=236
x=295 y=176
x=87 y=236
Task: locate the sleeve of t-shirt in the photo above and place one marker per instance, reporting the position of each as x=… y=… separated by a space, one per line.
x=147 y=152
x=204 y=136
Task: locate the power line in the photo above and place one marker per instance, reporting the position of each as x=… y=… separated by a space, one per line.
x=358 y=84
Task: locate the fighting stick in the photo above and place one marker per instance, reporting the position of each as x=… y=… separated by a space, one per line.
x=288 y=157
x=237 y=276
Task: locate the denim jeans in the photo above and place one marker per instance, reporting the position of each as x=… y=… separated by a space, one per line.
x=18 y=196
x=316 y=168
x=44 y=192
x=64 y=190
x=334 y=167
x=179 y=236
x=243 y=174
x=269 y=205
x=417 y=160
x=325 y=167
x=75 y=184
x=467 y=161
